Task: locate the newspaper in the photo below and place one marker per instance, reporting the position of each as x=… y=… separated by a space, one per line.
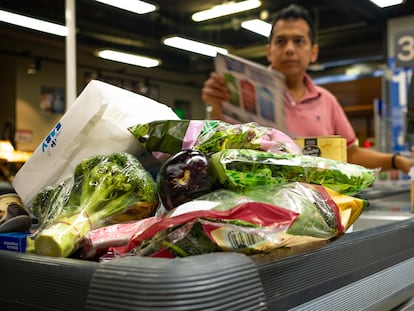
x=257 y=92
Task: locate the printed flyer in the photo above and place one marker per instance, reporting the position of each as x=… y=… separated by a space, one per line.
x=256 y=91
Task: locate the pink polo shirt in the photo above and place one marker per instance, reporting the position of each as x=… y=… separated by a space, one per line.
x=318 y=113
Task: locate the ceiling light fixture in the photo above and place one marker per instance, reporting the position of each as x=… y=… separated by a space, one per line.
x=33 y=23
x=128 y=58
x=226 y=8
x=136 y=6
x=386 y=3
x=193 y=46
x=258 y=26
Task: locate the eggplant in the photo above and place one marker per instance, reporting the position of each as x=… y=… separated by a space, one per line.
x=183 y=177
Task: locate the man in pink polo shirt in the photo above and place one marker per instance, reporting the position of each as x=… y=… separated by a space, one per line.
x=319 y=113
x=310 y=110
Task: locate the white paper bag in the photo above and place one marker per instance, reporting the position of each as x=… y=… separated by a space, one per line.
x=96 y=123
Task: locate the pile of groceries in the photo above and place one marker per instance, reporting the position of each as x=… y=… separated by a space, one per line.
x=219 y=188
x=110 y=181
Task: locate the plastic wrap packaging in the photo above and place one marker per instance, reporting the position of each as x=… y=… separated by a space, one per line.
x=314 y=203
x=96 y=123
x=96 y=242
x=259 y=221
x=244 y=168
x=103 y=190
x=210 y=136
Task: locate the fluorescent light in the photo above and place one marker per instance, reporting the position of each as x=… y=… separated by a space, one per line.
x=226 y=8
x=258 y=26
x=193 y=46
x=33 y=23
x=135 y=6
x=128 y=58
x=385 y=3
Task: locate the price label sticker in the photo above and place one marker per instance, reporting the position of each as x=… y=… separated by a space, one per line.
x=404 y=48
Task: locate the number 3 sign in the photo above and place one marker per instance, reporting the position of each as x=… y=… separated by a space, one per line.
x=404 y=48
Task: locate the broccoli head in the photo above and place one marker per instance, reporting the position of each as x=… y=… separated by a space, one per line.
x=105 y=189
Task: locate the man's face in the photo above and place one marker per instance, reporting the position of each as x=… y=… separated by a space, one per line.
x=291 y=50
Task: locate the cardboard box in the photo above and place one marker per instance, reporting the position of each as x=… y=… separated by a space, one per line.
x=14 y=241
x=331 y=147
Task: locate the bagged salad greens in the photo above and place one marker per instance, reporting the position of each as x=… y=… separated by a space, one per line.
x=245 y=168
x=203 y=229
x=319 y=216
x=103 y=190
x=209 y=136
x=257 y=221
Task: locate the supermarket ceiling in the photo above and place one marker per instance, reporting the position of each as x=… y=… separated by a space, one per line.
x=350 y=30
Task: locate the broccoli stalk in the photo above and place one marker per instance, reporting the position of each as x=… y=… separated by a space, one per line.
x=103 y=186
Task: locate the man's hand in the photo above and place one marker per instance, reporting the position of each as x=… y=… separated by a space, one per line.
x=215 y=91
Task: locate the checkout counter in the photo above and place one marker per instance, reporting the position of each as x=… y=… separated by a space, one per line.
x=370 y=268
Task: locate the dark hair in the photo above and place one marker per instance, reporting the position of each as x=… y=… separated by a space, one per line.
x=294 y=11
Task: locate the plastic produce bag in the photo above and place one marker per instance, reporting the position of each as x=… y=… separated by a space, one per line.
x=248 y=228
x=96 y=123
x=244 y=168
x=318 y=215
x=97 y=242
x=210 y=136
x=258 y=221
x=103 y=190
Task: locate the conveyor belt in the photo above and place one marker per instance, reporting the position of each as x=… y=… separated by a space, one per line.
x=362 y=261
x=368 y=269
x=386 y=205
x=365 y=270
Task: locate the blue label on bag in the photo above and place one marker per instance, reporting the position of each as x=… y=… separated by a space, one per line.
x=51 y=140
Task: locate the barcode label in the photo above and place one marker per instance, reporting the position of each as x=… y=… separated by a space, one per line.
x=229 y=238
x=240 y=239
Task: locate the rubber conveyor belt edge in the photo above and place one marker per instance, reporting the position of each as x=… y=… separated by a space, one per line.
x=219 y=281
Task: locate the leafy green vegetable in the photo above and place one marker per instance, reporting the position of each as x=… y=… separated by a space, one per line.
x=162 y=136
x=257 y=232
x=241 y=168
x=316 y=216
x=210 y=136
x=102 y=186
x=226 y=136
x=181 y=241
